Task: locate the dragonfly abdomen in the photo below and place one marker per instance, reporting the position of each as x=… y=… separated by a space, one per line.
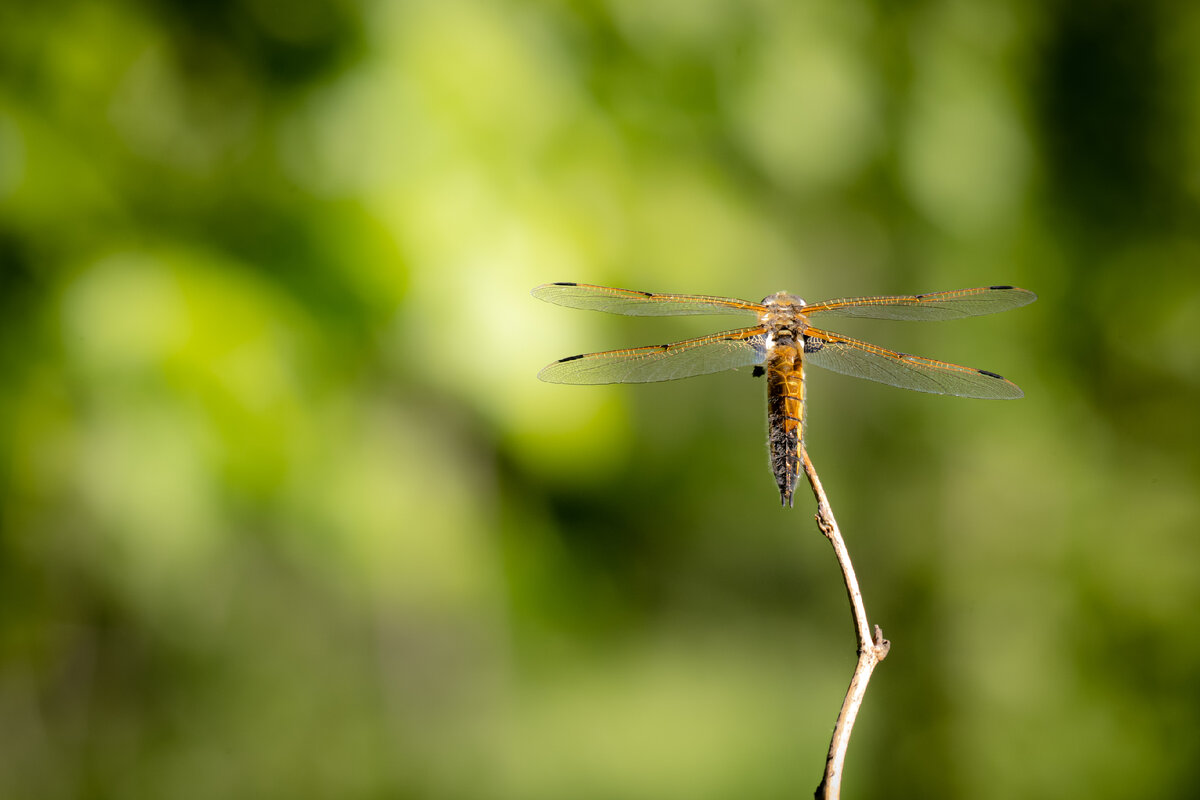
x=785 y=416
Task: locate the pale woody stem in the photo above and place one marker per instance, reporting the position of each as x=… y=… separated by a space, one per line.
x=871 y=648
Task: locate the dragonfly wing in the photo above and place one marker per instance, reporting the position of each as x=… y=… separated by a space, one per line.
x=640 y=304
x=665 y=362
x=862 y=360
x=954 y=304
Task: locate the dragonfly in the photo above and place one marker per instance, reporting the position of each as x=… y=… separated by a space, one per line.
x=779 y=343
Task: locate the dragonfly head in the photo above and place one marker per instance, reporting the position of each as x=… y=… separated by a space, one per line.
x=782 y=299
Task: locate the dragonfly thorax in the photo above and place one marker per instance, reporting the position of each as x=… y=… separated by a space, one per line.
x=783 y=318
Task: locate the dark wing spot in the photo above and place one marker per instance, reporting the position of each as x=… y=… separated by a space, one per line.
x=1000 y=287
x=920 y=296
x=664 y=347
x=758 y=371
x=812 y=344
x=569 y=358
x=647 y=294
x=990 y=374
x=564 y=284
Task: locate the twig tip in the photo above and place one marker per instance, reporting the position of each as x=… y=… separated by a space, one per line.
x=882 y=645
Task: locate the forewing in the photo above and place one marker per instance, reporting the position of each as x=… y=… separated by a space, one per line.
x=715 y=353
x=640 y=304
x=862 y=360
x=954 y=304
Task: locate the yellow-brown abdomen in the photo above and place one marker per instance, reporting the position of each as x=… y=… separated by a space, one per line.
x=785 y=416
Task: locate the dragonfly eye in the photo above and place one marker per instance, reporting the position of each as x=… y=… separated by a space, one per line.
x=783 y=299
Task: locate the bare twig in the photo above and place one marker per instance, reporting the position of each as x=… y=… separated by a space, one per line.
x=871 y=648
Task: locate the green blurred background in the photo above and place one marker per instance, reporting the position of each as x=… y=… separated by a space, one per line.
x=285 y=513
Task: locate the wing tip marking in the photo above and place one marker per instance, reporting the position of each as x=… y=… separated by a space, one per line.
x=990 y=374
x=569 y=358
x=1002 y=287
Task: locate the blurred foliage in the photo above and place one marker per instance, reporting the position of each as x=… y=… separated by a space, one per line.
x=284 y=512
